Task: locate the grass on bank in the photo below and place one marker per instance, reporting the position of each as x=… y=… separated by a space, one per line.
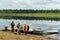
x=43 y=15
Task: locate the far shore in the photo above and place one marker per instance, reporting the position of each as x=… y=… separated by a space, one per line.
x=31 y=16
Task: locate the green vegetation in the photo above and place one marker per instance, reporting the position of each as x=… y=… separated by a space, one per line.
x=28 y=11
x=30 y=14
x=47 y=16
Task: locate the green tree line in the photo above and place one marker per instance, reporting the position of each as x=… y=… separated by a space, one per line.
x=28 y=11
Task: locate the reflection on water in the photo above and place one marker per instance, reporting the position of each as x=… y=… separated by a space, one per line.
x=43 y=24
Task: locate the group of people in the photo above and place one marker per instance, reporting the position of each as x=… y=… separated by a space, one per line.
x=25 y=29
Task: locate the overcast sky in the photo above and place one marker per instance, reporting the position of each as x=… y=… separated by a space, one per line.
x=29 y=4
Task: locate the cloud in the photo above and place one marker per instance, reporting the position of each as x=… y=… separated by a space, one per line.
x=30 y=4
x=56 y=1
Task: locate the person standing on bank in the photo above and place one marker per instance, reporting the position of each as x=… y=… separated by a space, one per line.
x=12 y=26
x=18 y=28
x=26 y=29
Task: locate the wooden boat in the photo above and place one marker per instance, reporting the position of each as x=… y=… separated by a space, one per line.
x=36 y=31
x=51 y=32
x=31 y=30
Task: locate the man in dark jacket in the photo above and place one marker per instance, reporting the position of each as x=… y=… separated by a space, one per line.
x=12 y=26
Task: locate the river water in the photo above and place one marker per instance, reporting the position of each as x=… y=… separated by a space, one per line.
x=43 y=24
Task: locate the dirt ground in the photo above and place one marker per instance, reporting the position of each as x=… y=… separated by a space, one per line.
x=5 y=35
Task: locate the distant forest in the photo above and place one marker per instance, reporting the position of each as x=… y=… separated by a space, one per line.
x=29 y=11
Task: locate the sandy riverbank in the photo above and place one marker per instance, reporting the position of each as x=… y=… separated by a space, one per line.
x=4 y=35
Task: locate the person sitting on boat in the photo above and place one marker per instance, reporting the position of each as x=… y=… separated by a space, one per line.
x=26 y=28
x=18 y=28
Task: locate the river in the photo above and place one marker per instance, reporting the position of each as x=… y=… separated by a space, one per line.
x=43 y=24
